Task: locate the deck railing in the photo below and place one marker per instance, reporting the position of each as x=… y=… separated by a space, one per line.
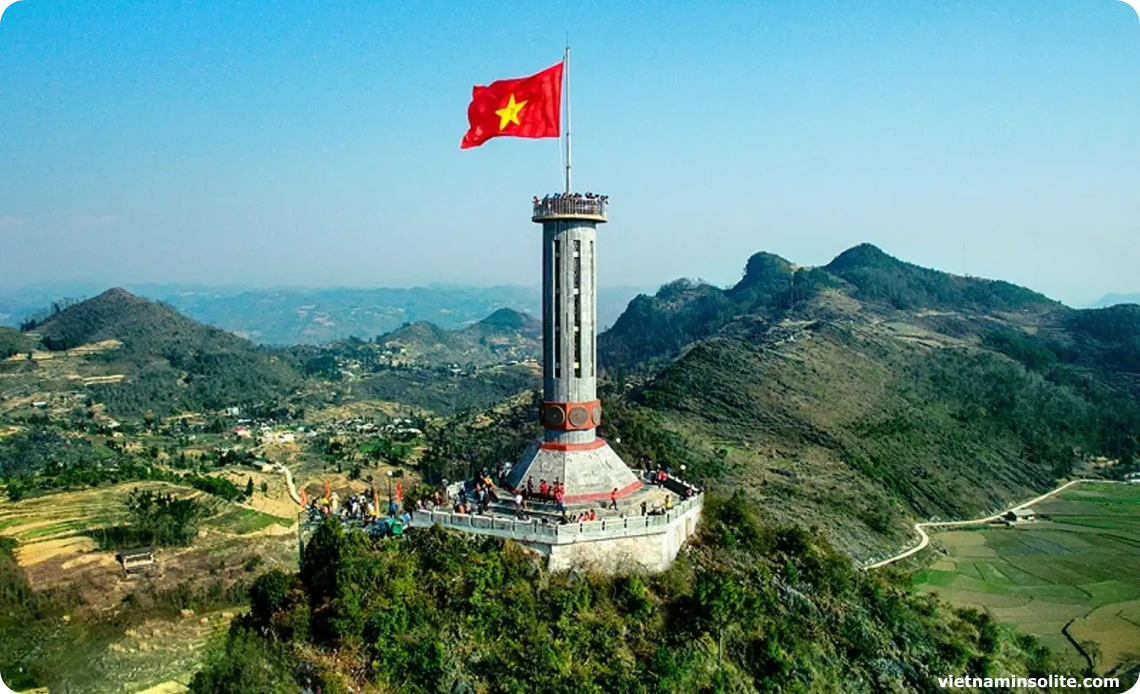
x=536 y=529
x=569 y=206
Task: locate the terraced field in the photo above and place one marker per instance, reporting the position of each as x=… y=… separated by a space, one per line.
x=1073 y=575
x=158 y=652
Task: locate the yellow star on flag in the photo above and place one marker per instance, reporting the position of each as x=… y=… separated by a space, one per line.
x=510 y=113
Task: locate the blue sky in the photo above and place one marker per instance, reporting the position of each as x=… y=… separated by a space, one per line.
x=308 y=143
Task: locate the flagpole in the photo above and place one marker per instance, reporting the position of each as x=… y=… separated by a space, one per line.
x=566 y=66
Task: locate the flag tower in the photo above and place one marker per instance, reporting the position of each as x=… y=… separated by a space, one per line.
x=570 y=451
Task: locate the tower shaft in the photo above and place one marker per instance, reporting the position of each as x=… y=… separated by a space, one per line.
x=570 y=451
x=571 y=411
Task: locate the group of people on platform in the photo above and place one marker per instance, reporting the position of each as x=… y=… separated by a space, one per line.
x=358 y=507
x=462 y=498
x=583 y=517
x=478 y=500
x=555 y=492
x=663 y=478
x=557 y=197
x=357 y=510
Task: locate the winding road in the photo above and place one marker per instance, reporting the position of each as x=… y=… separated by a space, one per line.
x=924 y=541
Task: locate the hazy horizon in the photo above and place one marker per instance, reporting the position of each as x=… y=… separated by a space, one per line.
x=286 y=144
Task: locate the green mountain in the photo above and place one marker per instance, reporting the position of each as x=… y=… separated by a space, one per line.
x=169 y=363
x=870 y=392
x=505 y=335
x=426 y=366
x=878 y=277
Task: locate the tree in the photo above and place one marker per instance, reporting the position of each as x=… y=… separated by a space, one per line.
x=249 y=488
x=264 y=487
x=16 y=490
x=243 y=664
x=723 y=601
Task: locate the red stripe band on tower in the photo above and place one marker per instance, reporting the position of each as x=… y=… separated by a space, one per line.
x=591 y=446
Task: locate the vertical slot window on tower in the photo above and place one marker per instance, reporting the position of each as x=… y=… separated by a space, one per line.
x=593 y=312
x=577 y=309
x=557 y=309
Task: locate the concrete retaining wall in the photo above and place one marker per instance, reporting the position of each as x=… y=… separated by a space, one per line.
x=654 y=552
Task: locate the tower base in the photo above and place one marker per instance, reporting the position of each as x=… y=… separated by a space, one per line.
x=590 y=472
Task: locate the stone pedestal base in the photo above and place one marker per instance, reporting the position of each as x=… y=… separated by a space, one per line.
x=590 y=472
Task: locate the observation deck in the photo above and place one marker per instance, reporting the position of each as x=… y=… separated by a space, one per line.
x=570 y=206
x=609 y=544
x=536 y=529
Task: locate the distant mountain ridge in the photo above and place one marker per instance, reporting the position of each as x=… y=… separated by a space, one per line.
x=289 y=316
x=505 y=335
x=1115 y=299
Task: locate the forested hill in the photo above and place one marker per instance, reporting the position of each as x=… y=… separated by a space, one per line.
x=867 y=393
x=169 y=363
x=876 y=276
x=750 y=607
x=505 y=335
x=145 y=328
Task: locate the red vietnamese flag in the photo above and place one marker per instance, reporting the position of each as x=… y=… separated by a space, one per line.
x=523 y=107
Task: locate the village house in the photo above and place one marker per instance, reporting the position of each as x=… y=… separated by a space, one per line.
x=1020 y=515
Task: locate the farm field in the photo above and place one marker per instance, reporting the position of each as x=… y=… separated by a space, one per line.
x=1072 y=575
x=135 y=634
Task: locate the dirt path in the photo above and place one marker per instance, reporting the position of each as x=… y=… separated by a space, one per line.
x=289 y=481
x=924 y=539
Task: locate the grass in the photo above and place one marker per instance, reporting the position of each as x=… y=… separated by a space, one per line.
x=62 y=529
x=1082 y=563
x=10 y=522
x=243 y=521
x=126 y=635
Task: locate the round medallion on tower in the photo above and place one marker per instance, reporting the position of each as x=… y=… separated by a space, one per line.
x=597 y=415
x=579 y=416
x=555 y=416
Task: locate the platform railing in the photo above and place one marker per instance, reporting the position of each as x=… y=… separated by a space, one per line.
x=565 y=205
x=536 y=529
